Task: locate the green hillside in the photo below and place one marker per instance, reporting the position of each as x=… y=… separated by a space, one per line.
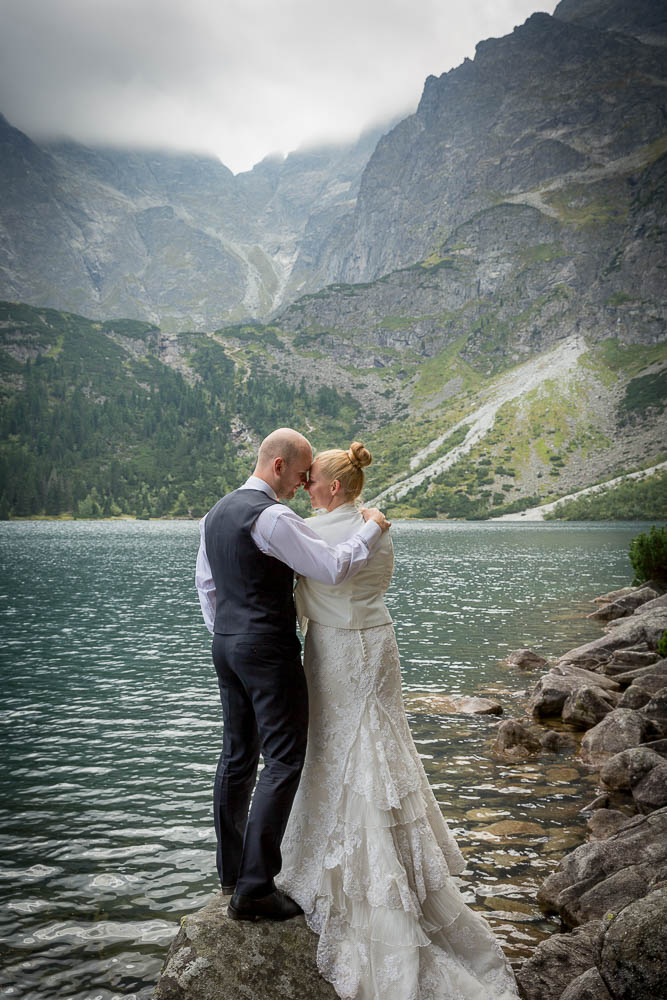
x=116 y=418
x=92 y=422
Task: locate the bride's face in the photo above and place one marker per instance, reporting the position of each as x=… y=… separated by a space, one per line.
x=318 y=487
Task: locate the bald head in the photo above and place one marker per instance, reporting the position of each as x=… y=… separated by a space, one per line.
x=282 y=443
x=283 y=461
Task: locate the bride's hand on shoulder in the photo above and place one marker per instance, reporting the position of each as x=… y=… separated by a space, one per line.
x=373 y=514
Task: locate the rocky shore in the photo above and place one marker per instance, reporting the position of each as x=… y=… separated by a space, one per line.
x=610 y=892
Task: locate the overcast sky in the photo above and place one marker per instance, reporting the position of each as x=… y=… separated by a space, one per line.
x=236 y=78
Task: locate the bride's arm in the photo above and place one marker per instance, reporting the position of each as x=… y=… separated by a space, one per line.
x=281 y=533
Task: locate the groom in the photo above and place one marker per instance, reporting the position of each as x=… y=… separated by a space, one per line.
x=250 y=547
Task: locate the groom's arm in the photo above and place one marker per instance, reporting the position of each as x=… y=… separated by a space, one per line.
x=204 y=581
x=280 y=532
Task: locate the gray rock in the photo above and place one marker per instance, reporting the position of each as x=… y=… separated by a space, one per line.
x=556 y=963
x=634 y=697
x=626 y=605
x=589 y=986
x=656 y=669
x=556 y=742
x=613 y=595
x=634 y=951
x=605 y=822
x=619 y=730
x=214 y=958
x=512 y=733
x=646 y=627
x=587 y=676
x=550 y=890
x=651 y=791
x=625 y=769
x=658 y=602
x=445 y=704
x=586 y=901
x=586 y=707
x=591 y=877
x=659 y=746
x=553 y=689
x=559 y=961
x=656 y=711
x=600 y=802
x=526 y=659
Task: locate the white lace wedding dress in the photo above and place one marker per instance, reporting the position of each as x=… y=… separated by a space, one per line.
x=367 y=853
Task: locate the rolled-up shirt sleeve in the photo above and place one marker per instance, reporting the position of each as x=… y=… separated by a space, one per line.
x=204 y=581
x=280 y=532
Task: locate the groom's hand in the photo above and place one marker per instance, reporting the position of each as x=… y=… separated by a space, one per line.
x=373 y=514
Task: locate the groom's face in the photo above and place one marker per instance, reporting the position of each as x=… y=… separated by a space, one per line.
x=295 y=474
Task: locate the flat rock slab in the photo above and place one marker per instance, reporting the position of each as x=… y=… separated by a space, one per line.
x=215 y=958
x=444 y=704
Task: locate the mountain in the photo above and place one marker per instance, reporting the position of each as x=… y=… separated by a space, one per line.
x=173 y=239
x=494 y=325
x=548 y=116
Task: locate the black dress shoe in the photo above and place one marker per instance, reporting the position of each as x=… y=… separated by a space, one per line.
x=275 y=906
x=228 y=889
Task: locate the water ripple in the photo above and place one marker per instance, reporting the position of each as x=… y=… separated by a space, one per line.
x=111 y=728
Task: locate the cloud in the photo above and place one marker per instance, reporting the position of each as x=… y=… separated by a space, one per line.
x=237 y=78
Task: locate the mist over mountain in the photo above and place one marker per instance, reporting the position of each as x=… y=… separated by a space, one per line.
x=479 y=291
x=173 y=239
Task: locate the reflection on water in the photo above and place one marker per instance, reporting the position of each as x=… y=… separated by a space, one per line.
x=111 y=729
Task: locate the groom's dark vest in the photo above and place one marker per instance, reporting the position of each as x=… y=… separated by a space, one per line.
x=253 y=592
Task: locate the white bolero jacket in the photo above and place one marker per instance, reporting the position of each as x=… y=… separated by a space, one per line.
x=359 y=601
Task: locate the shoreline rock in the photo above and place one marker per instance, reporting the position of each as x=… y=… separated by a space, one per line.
x=611 y=892
x=215 y=958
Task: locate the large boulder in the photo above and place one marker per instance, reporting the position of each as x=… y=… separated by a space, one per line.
x=639 y=847
x=554 y=688
x=587 y=676
x=591 y=900
x=626 y=769
x=619 y=730
x=633 y=960
x=645 y=627
x=215 y=958
x=559 y=961
x=587 y=706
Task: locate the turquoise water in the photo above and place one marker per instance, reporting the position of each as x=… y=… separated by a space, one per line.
x=111 y=729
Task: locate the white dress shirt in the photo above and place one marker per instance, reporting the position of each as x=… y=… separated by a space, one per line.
x=280 y=532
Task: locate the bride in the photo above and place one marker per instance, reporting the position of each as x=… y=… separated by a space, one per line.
x=367 y=853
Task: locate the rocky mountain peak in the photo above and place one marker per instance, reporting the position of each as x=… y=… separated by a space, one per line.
x=643 y=19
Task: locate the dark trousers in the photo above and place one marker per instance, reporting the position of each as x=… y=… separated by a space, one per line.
x=265 y=710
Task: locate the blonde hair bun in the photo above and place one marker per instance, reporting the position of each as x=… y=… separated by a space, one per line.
x=359 y=455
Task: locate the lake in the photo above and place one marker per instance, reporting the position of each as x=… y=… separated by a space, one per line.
x=112 y=729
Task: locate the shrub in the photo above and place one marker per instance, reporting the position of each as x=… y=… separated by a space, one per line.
x=662 y=644
x=648 y=555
